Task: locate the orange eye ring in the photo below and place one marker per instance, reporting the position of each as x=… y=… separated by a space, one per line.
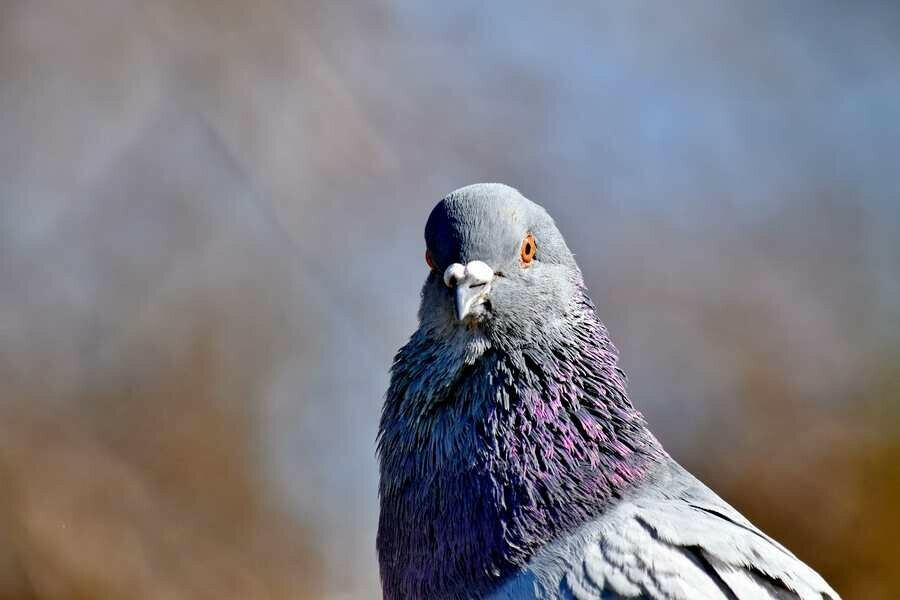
x=529 y=249
x=429 y=261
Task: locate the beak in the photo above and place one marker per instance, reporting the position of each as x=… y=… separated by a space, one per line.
x=471 y=284
x=468 y=298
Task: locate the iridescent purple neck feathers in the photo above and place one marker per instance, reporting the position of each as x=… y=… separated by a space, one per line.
x=491 y=448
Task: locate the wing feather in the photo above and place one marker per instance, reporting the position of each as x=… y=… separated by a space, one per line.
x=672 y=540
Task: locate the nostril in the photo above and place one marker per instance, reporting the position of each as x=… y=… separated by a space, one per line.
x=478 y=285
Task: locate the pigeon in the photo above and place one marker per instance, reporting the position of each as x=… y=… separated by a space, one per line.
x=513 y=463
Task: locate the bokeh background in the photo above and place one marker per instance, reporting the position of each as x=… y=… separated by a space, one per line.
x=211 y=245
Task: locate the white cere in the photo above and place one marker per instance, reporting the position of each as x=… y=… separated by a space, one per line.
x=474 y=272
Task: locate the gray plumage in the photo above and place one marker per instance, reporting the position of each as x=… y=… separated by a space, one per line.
x=674 y=539
x=513 y=463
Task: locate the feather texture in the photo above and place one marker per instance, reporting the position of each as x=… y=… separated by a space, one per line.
x=670 y=539
x=513 y=462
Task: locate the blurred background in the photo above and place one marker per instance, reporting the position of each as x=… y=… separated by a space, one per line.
x=198 y=202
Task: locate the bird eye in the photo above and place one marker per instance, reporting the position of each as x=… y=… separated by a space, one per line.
x=529 y=249
x=429 y=261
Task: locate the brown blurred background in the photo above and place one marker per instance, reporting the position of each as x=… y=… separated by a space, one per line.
x=199 y=201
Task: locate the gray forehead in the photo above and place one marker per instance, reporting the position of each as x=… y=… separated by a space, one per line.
x=485 y=221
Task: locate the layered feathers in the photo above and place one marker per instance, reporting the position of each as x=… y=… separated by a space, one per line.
x=513 y=463
x=484 y=462
x=671 y=538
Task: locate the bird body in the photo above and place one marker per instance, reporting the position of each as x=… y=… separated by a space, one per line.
x=513 y=463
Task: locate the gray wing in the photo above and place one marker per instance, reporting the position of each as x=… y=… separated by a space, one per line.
x=672 y=540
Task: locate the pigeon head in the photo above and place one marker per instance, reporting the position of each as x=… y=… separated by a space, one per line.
x=499 y=265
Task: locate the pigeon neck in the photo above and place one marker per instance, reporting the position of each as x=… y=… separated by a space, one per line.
x=484 y=463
